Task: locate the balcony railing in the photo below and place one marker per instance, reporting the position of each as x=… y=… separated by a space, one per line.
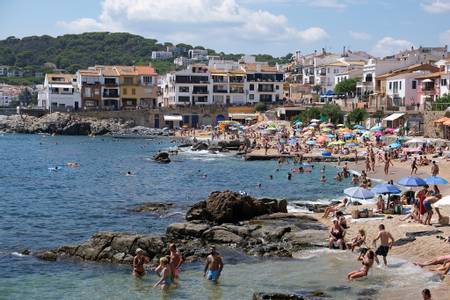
x=112 y=95
x=196 y=92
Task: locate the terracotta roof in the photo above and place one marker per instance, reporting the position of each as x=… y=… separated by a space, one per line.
x=432 y=75
x=89 y=72
x=145 y=70
x=408 y=69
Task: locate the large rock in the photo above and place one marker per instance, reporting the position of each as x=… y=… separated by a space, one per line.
x=155 y=207
x=200 y=147
x=162 y=157
x=183 y=230
x=221 y=235
x=276 y=296
x=232 y=207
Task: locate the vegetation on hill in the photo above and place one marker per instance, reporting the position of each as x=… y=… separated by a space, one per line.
x=74 y=51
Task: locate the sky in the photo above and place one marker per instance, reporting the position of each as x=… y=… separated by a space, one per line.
x=277 y=27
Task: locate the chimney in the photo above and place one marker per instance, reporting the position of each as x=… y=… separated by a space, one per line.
x=343 y=52
x=323 y=51
x=315 y=52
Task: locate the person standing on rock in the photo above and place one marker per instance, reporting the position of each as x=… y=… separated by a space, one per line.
x=138 y=263
x=176 y=260
x=213 y=266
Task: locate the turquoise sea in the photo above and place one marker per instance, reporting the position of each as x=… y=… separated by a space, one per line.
x=43 y=209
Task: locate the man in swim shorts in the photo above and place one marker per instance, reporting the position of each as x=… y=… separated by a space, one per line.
x=213 y=266
x=386 y=241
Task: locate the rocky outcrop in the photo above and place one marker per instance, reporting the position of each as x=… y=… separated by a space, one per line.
x=162 y=157
x=270 y=233
x=232 y=207
x=199 y=147
x=153 y=207
x=276 y=296
x=61 y=123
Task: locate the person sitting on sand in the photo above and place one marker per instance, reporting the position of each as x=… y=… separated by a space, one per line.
x=213 y=266
x=337 y=233
x=367 y=262
x=166 y=274
x=357 y=241
x=335 y=207
x=138 y=263
x=386 y=240
x=342 y=220
x=380 y=204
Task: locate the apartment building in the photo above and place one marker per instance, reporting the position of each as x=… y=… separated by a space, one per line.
x=117 y=87
x=161 y=55
x=60 y=92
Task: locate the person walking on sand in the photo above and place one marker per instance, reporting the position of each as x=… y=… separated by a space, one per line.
x=386 y=242
x=414 y=166
x=176 y=260
x=434 y=168
x=367 y=262
x=213 y=266
x=387 y=162
x=138 y=263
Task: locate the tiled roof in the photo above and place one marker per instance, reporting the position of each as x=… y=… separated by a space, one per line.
x=432 y=75
x=408 y=70
x=67 y=78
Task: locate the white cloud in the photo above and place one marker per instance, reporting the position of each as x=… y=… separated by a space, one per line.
x=328 y=3
x=388 y=46
x=360 y=35
x=209 y=19
x=444 y=37
x=436 y=6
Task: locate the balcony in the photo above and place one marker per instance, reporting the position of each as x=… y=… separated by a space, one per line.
x=111 y=94
x=219 y=90
x=201 y=91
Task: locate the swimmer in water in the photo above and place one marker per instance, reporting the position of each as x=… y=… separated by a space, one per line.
x=323 y=179
x=270 y=177
x=259 y=185
x=289 y=176
x=322 y=170
x=129 y=173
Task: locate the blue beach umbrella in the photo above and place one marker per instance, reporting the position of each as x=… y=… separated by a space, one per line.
x=376 y=128
x=330 y=135
x=359 y=193
x=411 y=181
x=394 y=145
x=385 y=188
x=348 y=136
x=357 y=126
x=310 y=142
x=436 y=180
x=351 y=144
x=326 y=153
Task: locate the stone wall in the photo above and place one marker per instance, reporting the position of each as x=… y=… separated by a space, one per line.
x=155 y=117
x=431 y=129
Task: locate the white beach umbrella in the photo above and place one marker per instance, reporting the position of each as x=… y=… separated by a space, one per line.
x=443 y=202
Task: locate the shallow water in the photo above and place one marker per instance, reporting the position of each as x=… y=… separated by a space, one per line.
x=45 y=209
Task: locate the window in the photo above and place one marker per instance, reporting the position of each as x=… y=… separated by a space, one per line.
x=390 y=85
x=133 y=91
x=183 y=89
x=252 y=87
x=128 y=80
x=399 y=85
x=87 y=92
x=125 y=91
x=414 y=84
x=251 y=97
x=65 y=89
x=184 y=99
x=444 y=81
x=277 y=87
x=147 y=79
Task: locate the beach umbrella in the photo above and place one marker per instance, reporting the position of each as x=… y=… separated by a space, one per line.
x=436 y=180
x=443 y=202
x=359 y=193
x=326 y=153
x=340 y=125
x=385 y=188
x=326 y=129
x=348 y=135
x=322 y=138
x=417 y=141
x=376 y=128
x=330 y=135
x=310 y=142
x=315 y=121
x=329 y=125
x=411 y=181
x=378 y=133
x=394 y=145
x=357 y=126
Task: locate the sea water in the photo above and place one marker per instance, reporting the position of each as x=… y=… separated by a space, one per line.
x=43 y=208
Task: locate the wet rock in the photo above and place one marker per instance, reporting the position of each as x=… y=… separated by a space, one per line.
x=77 y=128
x=186 y=230
x=276 y=296
x=162 y=157
x=367 y=292
x=155 y=207
x=221 y=236
x=25 y=252
x=200 y=147
x=232 y=207
x=123 y=242
x=47 y=255
x=423 y=233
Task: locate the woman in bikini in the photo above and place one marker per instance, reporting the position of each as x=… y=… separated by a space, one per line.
x=336 y=236
x=367 y=263
x=166 y=274
x=138 y=263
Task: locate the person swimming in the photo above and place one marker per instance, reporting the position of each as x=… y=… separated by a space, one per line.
x=323 y=179
x=289 y=176
x=322 y=170
x=367 y=262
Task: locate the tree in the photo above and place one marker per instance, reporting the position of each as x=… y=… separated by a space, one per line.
x=358 y=115
x=25 y=96
x=346 y=86
x=442 y=103
x=260 y=107
x=333 y=112
x=317 y=88
x=309 y=114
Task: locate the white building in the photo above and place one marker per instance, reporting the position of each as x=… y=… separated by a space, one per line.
x=182 y=61
x=161 y=55
x=198 y=54
x=223 y=83
x=60 y=92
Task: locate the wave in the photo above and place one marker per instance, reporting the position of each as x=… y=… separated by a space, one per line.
x=18 y=254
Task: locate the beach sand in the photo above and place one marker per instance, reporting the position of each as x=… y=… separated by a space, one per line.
x=423 y=248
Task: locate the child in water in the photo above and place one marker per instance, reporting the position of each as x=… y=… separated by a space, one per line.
x=323 y=179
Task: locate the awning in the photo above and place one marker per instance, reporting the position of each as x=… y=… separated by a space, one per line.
x=243 y=116
x=394 y=116
x=173 y=118
x=427 y=80
x=447 y=123
x=442 y=120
